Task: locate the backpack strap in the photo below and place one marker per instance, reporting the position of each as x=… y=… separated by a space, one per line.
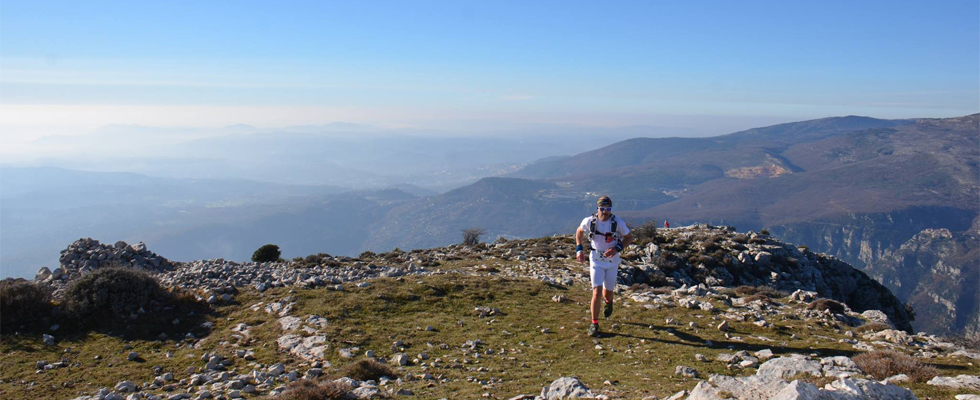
x=614 y=231
x=592 y=222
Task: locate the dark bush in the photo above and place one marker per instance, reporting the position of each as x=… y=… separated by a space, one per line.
x=743 y=239
x=111 y=292
x=883 y=364
x=764 y=232
x=23 y=305
x=711 y=244
x=367 y=370
x=267 y=253
x=827 y=304
x=305 y=389
x=757 y=240
x=367 y=255
x=471 y=236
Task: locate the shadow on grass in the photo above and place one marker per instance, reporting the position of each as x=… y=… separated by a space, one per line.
x=687 y=339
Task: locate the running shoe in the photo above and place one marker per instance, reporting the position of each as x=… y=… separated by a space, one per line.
x=594 y=330
x=607 y=311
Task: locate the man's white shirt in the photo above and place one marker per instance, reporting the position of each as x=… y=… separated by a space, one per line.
x=599 y=244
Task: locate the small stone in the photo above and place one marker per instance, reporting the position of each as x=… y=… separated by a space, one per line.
x=723 y=326
x=685 y=371
x=133 y=356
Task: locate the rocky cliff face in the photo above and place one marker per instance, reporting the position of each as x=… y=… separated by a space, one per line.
x=936 y=271
x=932 y=269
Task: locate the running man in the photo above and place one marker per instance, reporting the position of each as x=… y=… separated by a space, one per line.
x=609 y=235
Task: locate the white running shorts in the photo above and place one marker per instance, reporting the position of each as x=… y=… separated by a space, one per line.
x=604 y=276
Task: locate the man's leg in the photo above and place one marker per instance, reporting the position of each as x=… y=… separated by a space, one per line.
x=596 y=303
x=608 y=288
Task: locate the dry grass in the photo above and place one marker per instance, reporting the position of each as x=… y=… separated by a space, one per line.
x=883 y=364
x=367 y=370
x=759 y=290
x=305 y=389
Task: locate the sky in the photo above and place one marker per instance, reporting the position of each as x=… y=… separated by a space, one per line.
x=706 y=66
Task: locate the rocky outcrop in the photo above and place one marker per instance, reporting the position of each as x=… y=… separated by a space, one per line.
x=769 y=383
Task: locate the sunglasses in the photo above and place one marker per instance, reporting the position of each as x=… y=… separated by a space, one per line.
x=605 y=208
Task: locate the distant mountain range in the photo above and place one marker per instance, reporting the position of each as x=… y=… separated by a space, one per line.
x=855 y=187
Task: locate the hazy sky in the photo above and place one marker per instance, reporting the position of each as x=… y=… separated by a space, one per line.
x=66 y=66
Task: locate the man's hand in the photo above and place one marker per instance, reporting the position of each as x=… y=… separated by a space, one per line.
x=580 y=256
x=609 y=252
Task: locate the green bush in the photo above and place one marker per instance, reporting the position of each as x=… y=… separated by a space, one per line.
x=267 y=253
x=23 y=305
x=112 y=292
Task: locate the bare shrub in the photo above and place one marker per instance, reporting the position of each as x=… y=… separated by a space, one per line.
x=646 y=231
x=827 y=304
x=872 y=327
x=883 y=364
x=23 y=304
x=366 y=370
x=112 y=292
x=756 y=297
x=471 y=236
x=662 y=290
x=305 y=389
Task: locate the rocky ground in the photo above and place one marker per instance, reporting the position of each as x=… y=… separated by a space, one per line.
x=702 y=313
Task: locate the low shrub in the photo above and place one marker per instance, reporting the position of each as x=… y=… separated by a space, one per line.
x=23 y=305
x=266 y=253
x=834 y=306
x=883 y=364
x=759 y=290
x=756 y=297
x=872 y=327
x=743 y=239
x=367 y=255
x=305 y=389
x=110 y=292
x=367 y=370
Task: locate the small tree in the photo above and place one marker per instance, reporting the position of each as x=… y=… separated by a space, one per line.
x=471 y=236
x=267 y=253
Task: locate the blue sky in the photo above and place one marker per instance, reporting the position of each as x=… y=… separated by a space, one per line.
x=453 y=63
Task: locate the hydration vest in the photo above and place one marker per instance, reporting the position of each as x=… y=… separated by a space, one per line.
x=613 y=232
